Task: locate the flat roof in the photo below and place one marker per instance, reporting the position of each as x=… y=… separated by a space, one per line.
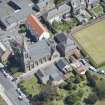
x=10 y=15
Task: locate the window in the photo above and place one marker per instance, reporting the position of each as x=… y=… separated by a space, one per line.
x=13 y=5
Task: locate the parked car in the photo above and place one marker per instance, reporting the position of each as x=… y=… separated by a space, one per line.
x=4 y=73
x=83 y=61
x=92 y=68
x=20 y=97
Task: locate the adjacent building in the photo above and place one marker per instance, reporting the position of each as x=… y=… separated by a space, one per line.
x=57 y=13
x=4 y=52
x=37 y=30
x=50 y=74
x=66 y=46
x=63 y=66
x=13 y=12
x=77 y=5
x=79 y=68
x=45 y=5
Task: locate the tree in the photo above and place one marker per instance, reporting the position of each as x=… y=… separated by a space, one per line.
x=77 y=79
x=100 y=89
x=71 y=99
x=80 y=93
x=91 y=79
x=92 y=98
x=49 y=93
x=68 y=86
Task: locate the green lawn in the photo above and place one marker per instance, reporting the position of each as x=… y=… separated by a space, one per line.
x=97 y=10
x=2 y=102
x=92 y=42
x=30 y=86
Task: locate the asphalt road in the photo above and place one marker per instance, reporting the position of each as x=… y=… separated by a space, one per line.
x=10 y=91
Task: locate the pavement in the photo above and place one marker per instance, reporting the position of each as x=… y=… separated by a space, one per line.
x=10 y=91
x=3 y=95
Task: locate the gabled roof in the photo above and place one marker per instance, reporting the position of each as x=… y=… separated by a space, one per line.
x=36 y=25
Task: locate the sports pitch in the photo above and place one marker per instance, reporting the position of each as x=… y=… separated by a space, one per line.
x=92 y=41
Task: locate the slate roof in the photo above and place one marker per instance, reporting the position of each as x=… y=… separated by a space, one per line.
x=39 y=50
x=60 y=37
x=61 y=63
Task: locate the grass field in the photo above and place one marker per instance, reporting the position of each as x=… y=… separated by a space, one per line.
x=92 y=41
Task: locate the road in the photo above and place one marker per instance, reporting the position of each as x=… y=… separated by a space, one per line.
x=10 y=91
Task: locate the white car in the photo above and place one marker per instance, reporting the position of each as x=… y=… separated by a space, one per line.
x=92 y=68
x=4 y=72
x=20 y=97
x=83 y=61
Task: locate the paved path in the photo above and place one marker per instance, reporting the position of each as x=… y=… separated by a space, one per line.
x=3 y=95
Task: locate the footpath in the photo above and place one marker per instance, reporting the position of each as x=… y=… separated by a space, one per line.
x=3 y=95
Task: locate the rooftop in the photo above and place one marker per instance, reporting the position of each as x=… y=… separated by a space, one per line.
x=10 y=14
x=36 y=24
x=39 y=50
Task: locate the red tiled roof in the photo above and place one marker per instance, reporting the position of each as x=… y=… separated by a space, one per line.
x=36 y=25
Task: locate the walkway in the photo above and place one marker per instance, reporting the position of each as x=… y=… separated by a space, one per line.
x=3 y=95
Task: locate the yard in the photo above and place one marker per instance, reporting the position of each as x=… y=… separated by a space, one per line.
x=92 y=41
x=2 y=102
x=30 y=86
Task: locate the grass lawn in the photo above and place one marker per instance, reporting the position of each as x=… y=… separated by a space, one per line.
x=2 y=102
x=97 y=10
x=30 y=86
x=92 y=41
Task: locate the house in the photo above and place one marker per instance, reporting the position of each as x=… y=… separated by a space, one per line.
x=66 y=46
x=77 y=5
x=38 y=53
x=103 y=4
x=36 y=28
x=92 y=2
x=4 y=52
x=45 y=5
x=79 y=68
x=57 y=13
x=63 y=66
x=50 y=74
